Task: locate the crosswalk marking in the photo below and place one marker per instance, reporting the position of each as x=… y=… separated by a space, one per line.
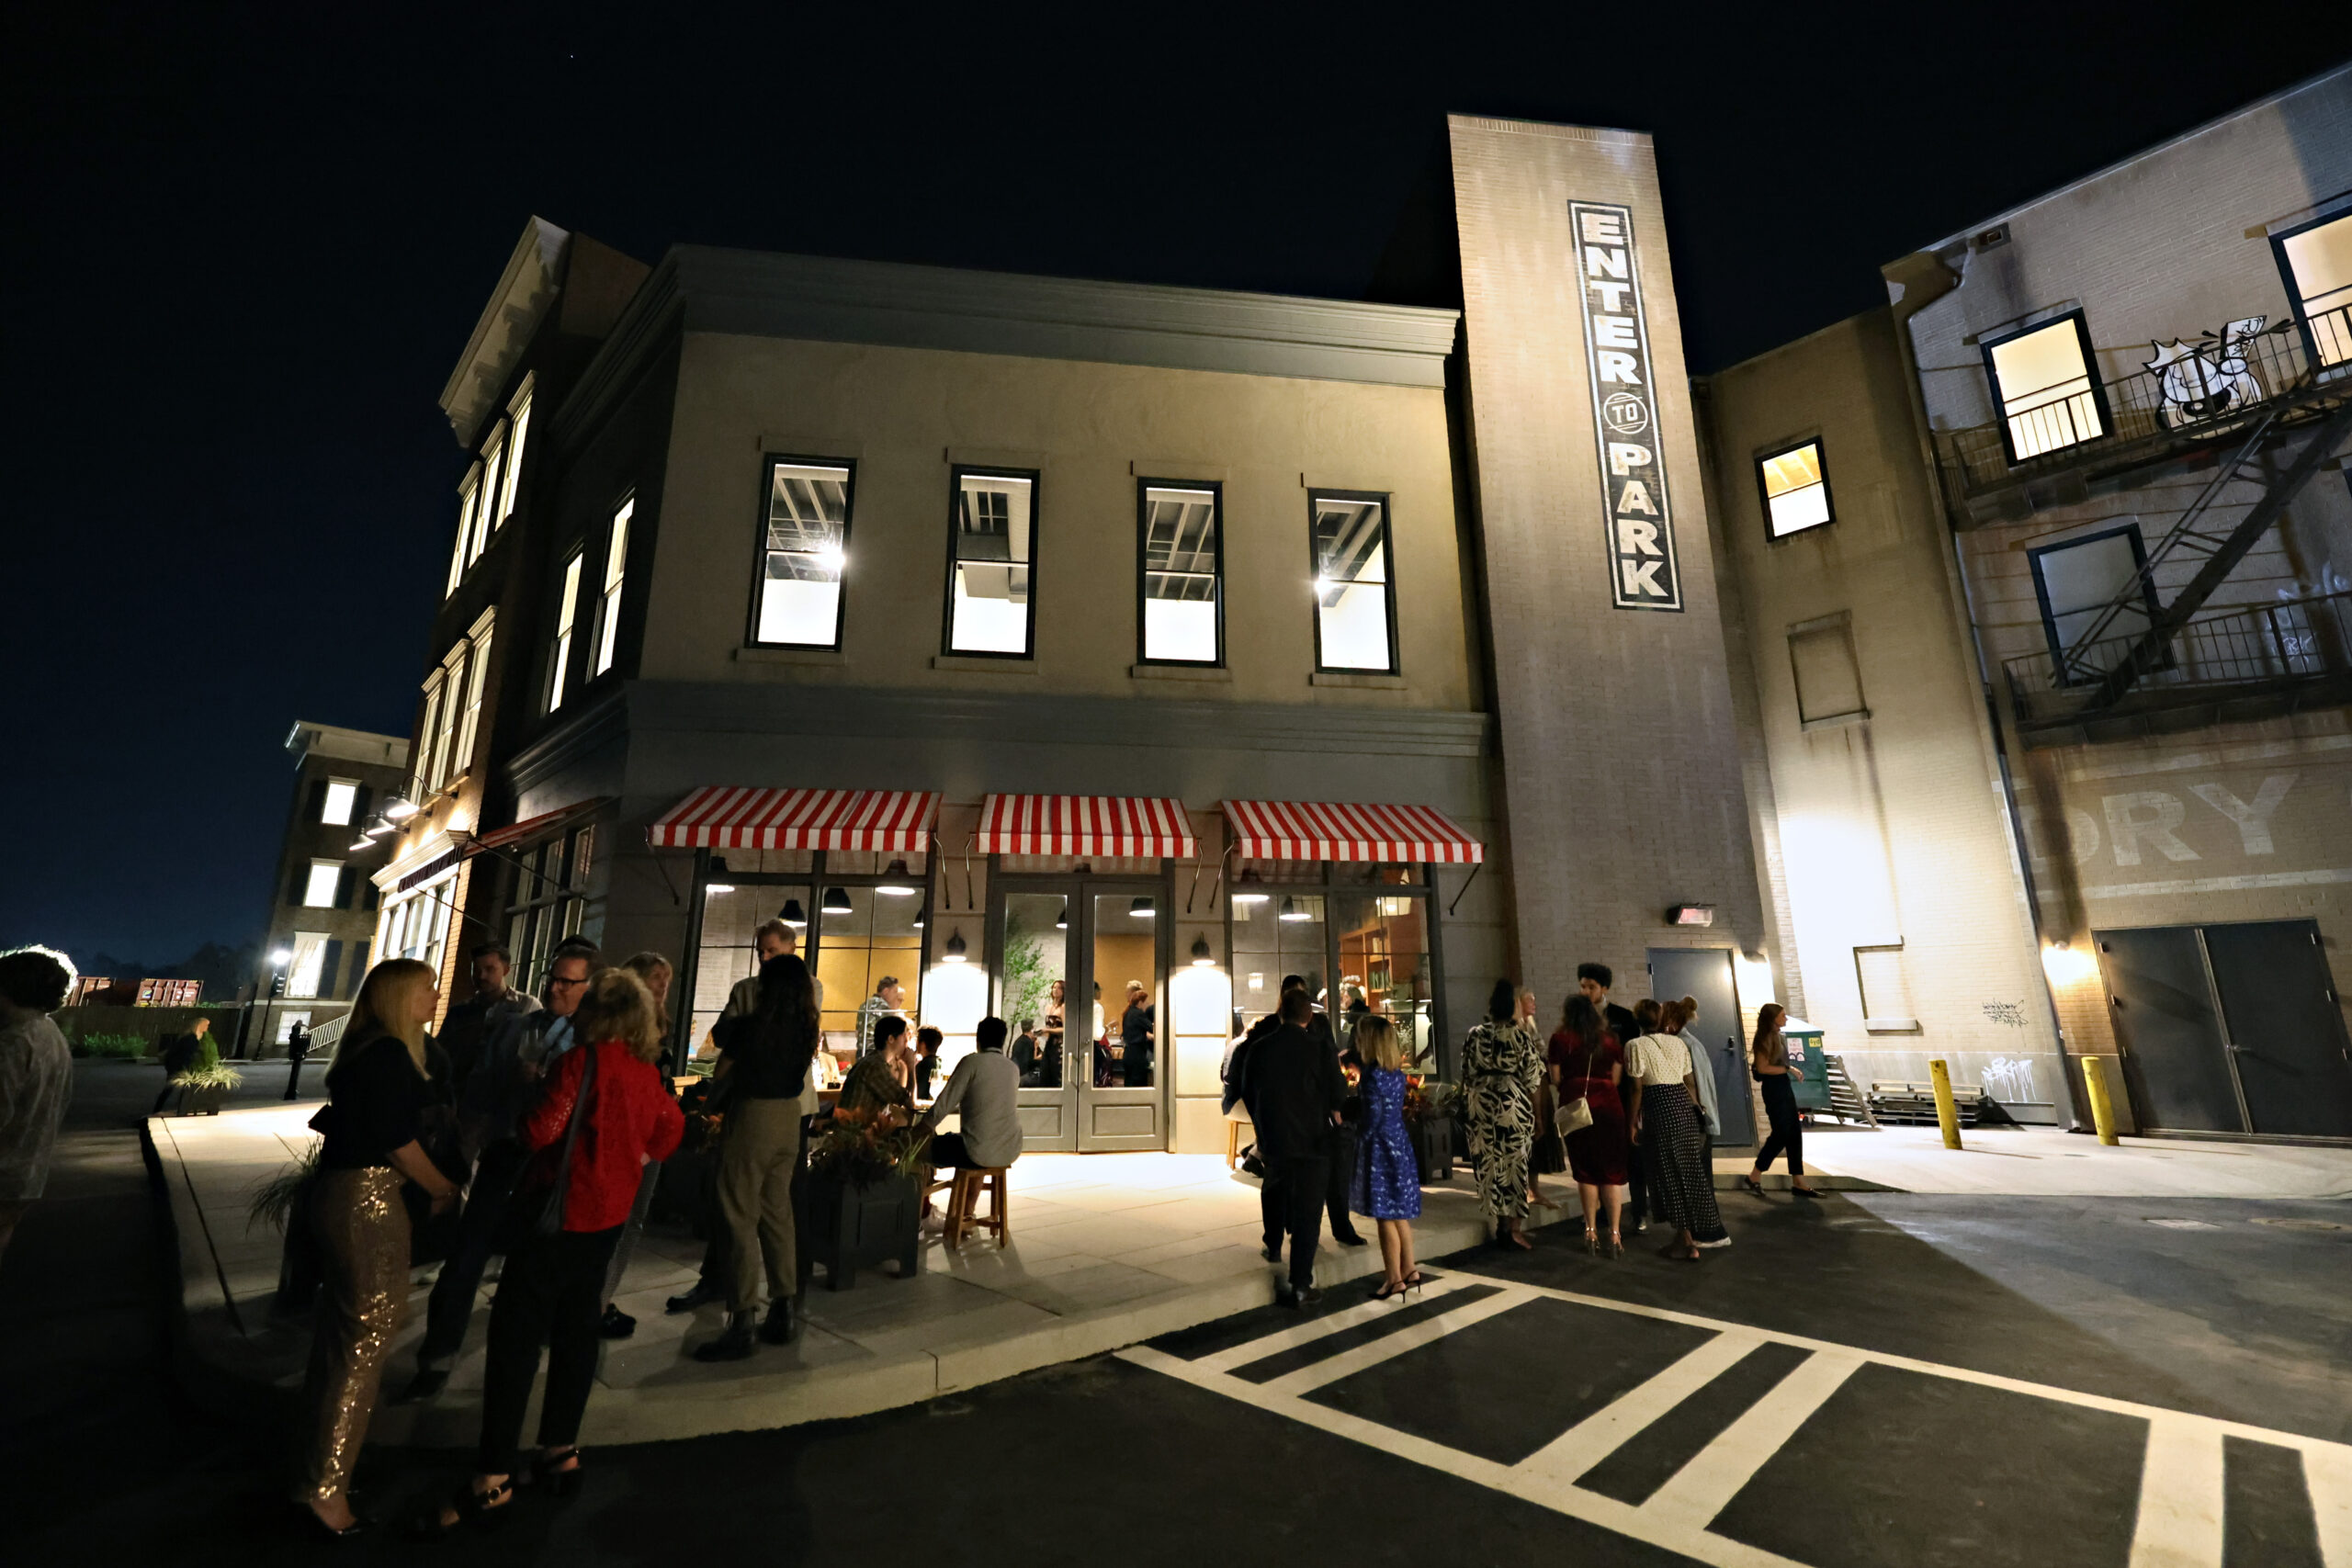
x=2180 y=1519
x=2181 y=1495
x=1594 y=1438
x=1317 y=1328
x=1715 y=1475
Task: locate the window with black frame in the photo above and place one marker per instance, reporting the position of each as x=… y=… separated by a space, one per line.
x=1183 y=574
x=1355 y=603
x=1358 y=934
x=2046 y=380
x=548 y=900
x=992 y=543
x=2317 y=261
x=804 y=552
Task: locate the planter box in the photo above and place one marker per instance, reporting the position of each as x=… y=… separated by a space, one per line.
x=1433 y=1147
x=203 y=1101
x=847 y=1228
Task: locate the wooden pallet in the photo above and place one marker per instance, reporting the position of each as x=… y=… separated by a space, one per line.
x=1846 y=1100
x=1916 y=1101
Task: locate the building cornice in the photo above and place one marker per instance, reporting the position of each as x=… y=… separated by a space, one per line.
x=525 y=289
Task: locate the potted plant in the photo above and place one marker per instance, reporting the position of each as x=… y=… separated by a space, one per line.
x=204 y=1086
x=1429 y=1121
x=861 y=1203
x=282 y=1201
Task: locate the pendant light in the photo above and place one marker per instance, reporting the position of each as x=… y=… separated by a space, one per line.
x=1141 y=908
x=1249 y=888
x=1062 y=921
x=1201 y=958
x=956 y=947
x=898 y=886
x=1291 y=911
x=792 y=914
x=837 y=900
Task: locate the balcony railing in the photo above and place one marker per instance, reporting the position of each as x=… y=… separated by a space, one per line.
x=2202 y=394
x=2293 y=647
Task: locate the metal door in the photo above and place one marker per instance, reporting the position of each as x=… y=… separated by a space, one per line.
x=2286 y=1027
x=2169 y=1027
x=1705 y=973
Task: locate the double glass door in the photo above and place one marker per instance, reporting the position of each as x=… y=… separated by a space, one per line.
x=1076 y=968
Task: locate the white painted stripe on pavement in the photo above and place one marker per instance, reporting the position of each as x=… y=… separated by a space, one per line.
x=1390 y=1346
x=2327 y=1476
x=1713 y=1478
x=2180 y=1496
x=1308 y=1333
x=1714 y=1550
x=1603 y=1432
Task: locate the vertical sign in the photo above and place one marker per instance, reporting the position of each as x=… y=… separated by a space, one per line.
x=1642 y=574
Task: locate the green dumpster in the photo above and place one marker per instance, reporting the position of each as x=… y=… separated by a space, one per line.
x=1806 y=1056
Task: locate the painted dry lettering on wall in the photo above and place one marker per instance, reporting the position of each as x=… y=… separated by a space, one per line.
x=1641 y=571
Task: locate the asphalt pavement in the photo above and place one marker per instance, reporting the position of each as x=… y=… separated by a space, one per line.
x=1875 y=1380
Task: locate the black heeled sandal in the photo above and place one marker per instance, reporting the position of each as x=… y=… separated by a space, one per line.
x=1752 y=1185
x=560 y=1472
x=471 y=1508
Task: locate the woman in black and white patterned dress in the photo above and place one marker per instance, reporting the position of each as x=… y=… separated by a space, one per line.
x=1666 y=1118
x=1500 y=1070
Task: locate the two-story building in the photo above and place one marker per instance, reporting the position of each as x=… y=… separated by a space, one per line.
x=2041 y=577
x=1098 y=654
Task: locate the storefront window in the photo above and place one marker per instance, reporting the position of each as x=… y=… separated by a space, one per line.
x=1285 y=934
x=731 y=917
x=549 y=902
x=867 y=936
x=1384 y=965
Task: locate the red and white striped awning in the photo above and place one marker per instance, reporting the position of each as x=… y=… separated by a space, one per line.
x=1137 y=826
x=1314 y=829
x=719 y=818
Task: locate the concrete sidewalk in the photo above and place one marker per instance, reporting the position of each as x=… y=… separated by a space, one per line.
x=2041 y=1162
x=1106 y=1250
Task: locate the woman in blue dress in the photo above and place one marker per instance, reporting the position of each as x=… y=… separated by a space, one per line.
x=1387 y=1185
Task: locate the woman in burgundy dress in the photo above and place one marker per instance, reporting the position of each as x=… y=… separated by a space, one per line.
x=1585 y=1061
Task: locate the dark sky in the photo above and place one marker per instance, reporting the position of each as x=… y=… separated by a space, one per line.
x=245 y=245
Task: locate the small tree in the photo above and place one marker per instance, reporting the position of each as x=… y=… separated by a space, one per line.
x=1026 y=984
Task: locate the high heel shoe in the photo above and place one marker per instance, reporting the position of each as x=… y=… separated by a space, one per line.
x=560 y=1471
x=1752 y=1185
x=466 y=1507
x=1388 y=1291
x=1591 y=1242
x=311 y=1520
x=1616 y=1247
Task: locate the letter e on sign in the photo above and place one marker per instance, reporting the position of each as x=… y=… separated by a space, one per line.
x=1638 y=518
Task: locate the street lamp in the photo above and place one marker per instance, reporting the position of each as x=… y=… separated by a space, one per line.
x=278 y=959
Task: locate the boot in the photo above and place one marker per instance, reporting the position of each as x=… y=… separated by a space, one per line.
x=734 y=1344
x=781 y=1327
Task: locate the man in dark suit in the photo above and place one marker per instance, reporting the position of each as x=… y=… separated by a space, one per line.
x=1594 y=980
x=1292 y=1084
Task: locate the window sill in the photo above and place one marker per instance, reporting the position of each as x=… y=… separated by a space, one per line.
x=1364 y=681
x=984 y=666
x=1891 y=1026
x=1836 y=720
x=1179 y=673
x=789 y=656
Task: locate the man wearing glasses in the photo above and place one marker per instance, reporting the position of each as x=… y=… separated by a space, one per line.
x=496 y=1095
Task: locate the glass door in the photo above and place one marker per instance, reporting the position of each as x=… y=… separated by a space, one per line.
x=1077 y=965
x=1034 y=941
x=1122 y=1104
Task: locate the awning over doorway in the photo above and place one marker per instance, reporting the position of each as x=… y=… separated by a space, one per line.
x=721 y=818
x=532 y=827
x=1112 y=825
x=1314 y=829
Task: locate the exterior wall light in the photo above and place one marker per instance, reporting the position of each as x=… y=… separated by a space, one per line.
x=956 y=947
x=1690 y=915
x=1201 y=956
x=400 y=810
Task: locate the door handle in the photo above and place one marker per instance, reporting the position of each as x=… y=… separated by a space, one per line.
x=2234 y=1048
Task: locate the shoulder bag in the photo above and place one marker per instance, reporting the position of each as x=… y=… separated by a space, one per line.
x=1576 y=1115
x=549 y=1220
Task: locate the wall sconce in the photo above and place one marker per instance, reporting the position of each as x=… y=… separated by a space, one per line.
x=956 y=947
x=1201 y=956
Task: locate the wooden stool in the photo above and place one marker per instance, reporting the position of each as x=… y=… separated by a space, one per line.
x=1232 y=1143
x=963 y=1199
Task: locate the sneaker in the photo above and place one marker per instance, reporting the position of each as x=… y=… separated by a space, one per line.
x=733 y=1344
x=781 y=1326
x=616 y=1324
x=703 y=1294
x=428 y=1382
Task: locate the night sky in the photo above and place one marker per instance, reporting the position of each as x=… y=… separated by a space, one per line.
x=246 y=245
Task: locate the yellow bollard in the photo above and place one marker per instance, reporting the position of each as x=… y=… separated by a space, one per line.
x=2102 y=1107
x=1946 y=1112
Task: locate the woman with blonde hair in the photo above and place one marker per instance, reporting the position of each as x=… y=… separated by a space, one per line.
x=604 y=1116
x=377 y=1094
x=655 y=970
x=1388 y=1184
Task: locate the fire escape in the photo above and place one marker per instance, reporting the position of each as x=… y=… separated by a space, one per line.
x=2259 y=431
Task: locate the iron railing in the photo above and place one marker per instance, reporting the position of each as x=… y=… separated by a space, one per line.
x=2221 y=386
x=2267 y=647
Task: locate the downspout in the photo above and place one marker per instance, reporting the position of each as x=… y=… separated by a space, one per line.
x=1923 y=278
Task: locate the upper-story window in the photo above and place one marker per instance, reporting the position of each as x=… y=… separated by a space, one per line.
x=339 y=803
x=1796 y=490
x=477 y=672
x=486 y=495
x=2047 y=384
x=991 y=564
x=453 y=696
x=803 y=550
x=2316 y=260
x=518 y=431
x=1184 y=573
x=1355 y=603
x=608 y=604
x=322 y=886
x=567 y=612
x=2096 y=598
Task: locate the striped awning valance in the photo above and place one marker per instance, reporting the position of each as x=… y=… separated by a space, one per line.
x=722 y=817
x=1314 y=829
x=1109 y=825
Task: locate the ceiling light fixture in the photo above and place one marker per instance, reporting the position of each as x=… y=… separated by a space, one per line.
x=1250 y=888
x=837 y=900
x=898 y=887
x=1141 y=908
x=1291 y=911
x=719 y=888
x=792 y=914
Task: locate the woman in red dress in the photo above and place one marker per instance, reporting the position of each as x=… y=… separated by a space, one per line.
x=1586 y=1062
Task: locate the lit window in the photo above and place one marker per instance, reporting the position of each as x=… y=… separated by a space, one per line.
x=318 y=889
x=994 y=537
x=1796 y=495
x=302 y=971
x=486 y=512
x=566 y=612
x=1355 y=612
x=2047 y=386
x=425 y=736
x=805 y=550
x=465 y=530
x=342 y=796
x=2096 y=601
x=446 y=762
x=1182 y=575
x=514 y=459
x=462 y=757
x=608 y=607
x=2317 y=260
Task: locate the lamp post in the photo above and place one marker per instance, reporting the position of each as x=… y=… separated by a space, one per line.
x=277 y=961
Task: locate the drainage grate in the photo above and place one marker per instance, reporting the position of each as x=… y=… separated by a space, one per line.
x=2299 y=1225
